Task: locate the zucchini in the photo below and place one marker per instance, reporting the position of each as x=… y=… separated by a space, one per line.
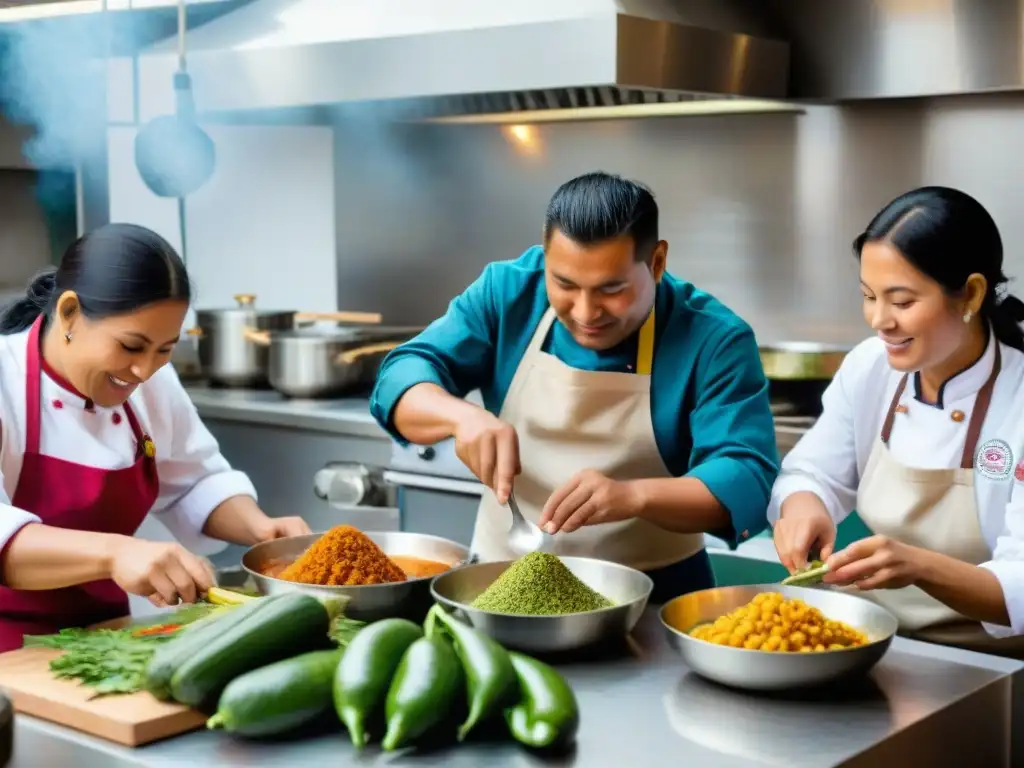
x=172 y=654
x=364 y=675
x=279 y=697
x=285 y=626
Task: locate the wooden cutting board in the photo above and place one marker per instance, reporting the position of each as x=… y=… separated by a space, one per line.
x=131 y=720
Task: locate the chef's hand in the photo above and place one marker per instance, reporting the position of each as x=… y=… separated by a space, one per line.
x=805 y=525
x=589 y=498
x=161 y=571
x=282 y=527
x=876 y=562
x=490 y=448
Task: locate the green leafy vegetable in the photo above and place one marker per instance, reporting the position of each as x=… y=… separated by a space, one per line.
x=114 y=660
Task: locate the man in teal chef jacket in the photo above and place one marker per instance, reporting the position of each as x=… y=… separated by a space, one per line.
x=628 y=408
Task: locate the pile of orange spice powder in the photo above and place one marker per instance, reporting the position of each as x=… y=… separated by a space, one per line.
x=343 y=556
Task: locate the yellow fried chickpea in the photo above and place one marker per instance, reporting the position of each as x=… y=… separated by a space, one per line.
x=769 y=622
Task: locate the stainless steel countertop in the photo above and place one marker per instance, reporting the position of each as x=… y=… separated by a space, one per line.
x=923 y=705
x=348 y=416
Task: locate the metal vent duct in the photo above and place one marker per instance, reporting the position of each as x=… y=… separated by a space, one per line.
x=465 y=56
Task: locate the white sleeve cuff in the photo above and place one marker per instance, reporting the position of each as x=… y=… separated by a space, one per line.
x=187 y=516
x=13 y=520
x=1011 y=578
x=789 y=483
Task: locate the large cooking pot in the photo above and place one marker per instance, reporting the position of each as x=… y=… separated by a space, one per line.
x=228 y=358
x=326 y=362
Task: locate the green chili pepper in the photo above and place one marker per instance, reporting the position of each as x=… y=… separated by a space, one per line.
x=364 y=674
x=427 y=685
x=491 y=682
x=810 y=574
x=547 y=714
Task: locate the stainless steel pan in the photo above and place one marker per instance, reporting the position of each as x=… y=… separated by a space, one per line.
x=226 y=355
x=802 y=361
x=319 y=363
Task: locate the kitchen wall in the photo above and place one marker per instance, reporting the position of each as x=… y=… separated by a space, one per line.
x=263 y=224
x=758 y=209
x=25 y=222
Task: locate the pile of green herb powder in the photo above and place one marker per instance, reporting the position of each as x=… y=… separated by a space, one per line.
x=539 y=584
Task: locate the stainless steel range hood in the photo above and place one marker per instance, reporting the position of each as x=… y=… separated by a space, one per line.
x=877 y=49
x=465 y=57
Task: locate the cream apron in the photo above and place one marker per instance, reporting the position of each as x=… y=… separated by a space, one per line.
x=934 y=509
x=569 y=420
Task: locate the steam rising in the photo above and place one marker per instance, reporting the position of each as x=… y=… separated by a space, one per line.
x=52 y=77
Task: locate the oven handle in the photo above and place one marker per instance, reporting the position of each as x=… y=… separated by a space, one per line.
x=432 y=483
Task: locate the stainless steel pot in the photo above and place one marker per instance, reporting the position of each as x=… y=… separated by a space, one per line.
x=316 y=363
x=228 y=358
x=802 y=361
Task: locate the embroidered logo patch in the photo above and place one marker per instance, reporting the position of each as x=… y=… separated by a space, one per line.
x=1018 y=472
x=995 y=460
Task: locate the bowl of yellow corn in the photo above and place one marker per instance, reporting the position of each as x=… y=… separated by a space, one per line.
x=770 y=637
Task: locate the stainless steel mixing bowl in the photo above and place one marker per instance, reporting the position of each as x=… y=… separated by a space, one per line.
x=775 y=671
x=628 y=588
x=407 y=599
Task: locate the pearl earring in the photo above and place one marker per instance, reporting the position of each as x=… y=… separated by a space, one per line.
x=967 y=317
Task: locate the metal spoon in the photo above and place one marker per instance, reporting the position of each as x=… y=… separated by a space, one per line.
x=525 y=537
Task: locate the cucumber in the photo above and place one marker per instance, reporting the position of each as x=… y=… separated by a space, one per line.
x=279 y=697
x=286 y=626
x=172 y=654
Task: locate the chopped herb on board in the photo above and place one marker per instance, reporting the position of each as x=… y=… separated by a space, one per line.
x=113 y=660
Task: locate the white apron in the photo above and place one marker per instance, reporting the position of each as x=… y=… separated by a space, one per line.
x=569 y=420
x=934 y=509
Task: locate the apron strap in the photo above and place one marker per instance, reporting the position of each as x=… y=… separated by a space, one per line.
x=890 y=415
x=33 y=383
x=546 y=321
x=144 y=445
x=978 y=413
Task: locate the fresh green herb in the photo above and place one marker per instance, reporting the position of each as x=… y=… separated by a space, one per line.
x=539 y=584
x=114 y=660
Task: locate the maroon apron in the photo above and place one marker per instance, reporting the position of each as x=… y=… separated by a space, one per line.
x=81 y=498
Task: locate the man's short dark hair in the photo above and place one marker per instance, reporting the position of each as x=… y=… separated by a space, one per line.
x=598 y=206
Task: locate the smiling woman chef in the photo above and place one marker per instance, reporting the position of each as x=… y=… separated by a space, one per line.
x=629 y=407
x=922 y=432
x=96 y=433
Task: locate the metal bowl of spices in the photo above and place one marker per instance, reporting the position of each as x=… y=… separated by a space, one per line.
x=761 y=670
x=406 y=599
x=535 y=606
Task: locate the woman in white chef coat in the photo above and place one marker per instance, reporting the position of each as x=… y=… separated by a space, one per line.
x=96 y=432
x=922 y=433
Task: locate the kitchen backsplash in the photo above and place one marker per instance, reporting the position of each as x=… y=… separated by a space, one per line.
x=758 y=209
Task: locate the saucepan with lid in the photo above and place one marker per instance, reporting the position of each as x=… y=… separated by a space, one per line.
x=326 y=362
x=227 y=355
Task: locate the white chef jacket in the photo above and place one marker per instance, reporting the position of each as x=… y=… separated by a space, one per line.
x=829 y=459
x=194 y=477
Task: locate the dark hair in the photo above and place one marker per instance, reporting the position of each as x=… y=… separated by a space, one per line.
x=114 y=269
x=600 y=206
x=948 y=235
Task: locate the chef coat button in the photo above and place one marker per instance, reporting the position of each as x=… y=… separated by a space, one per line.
x=957 y=416
x=58 y=404
x=117 y=418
